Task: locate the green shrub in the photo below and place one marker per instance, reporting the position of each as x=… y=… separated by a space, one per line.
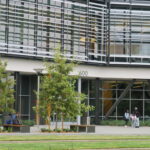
x=122 y=123
x=9 y=129
x=1 y=130
x=66 y=130
x=145 y=123
x=113 y=122
x=28 y=122
x=57 y=130
x=49 y=130
x=73 y=129
x=0 y=122
x=44 y=130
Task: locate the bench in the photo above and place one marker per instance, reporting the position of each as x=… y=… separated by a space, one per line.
x=83 y=128
x=17 y=128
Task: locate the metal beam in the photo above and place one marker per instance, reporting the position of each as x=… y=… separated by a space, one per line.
x=119 y=99
x=148 y=88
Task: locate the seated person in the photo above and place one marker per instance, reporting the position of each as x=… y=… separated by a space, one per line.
x=13 y=119
x=9 y=119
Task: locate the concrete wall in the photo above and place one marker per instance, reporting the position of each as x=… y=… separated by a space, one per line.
x=28 y=66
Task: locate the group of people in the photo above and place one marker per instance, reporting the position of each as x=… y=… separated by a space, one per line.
x=13 y=119
x=134 y=117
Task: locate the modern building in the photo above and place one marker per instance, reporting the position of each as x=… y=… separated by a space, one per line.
x=110 y=39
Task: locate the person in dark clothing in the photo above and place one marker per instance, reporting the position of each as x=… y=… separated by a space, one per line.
x=9 y=119
x=12 y=119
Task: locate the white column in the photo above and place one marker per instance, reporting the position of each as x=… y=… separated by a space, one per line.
x=38 y=71
x=79 y=90
x=37 y=101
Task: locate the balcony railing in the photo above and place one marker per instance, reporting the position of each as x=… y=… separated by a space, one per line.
x=131 y=1
x=138 y=1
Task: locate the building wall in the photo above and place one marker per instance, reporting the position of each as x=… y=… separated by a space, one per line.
x=102 y=85
x=110 y=39
x=90 y=31
x=27 y=66
x=35 y=28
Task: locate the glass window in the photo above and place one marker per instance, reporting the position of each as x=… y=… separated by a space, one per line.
x=92 y=88
x=24 y=85
x=122 y=107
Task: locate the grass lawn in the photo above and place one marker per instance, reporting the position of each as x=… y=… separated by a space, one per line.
x=75 y=145
x=41 y=137
x=102 y=142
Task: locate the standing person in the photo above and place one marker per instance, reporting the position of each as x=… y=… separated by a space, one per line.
x=127 y=117
x=137 y=114
x=133 y=120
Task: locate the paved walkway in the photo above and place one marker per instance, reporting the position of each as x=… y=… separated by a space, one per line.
x=115 y=130
x=100 y=130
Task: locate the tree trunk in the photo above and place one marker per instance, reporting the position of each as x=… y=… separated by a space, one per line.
x=48 y=116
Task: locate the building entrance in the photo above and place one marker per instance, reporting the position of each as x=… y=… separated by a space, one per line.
x=25 y=95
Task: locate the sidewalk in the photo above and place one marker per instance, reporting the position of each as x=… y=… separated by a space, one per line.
x=121 y=130
x=100 y=130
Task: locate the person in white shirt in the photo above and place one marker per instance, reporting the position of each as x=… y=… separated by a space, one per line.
x=126 y=117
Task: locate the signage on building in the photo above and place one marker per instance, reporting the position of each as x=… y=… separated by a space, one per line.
x=83 y=73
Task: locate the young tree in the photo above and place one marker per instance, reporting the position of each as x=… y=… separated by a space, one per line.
x=58 y=92
x=6 y=90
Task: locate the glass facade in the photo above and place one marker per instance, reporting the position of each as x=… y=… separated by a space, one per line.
x=25 y=97
x=110 y=90
x=101 y=94
x=129 y=32
x=86 y=30
x=38 y=27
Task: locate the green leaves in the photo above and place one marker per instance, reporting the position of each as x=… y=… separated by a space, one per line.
x=6 y=90
x=58 y=89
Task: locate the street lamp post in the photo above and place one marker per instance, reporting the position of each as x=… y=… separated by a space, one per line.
x=79 y=90
x=38 y=71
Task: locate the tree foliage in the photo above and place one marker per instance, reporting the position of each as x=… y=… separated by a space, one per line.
x=6 y=90
x=58 y=92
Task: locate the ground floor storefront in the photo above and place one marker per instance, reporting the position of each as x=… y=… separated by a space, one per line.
x=101 y=93
x=110 y=89
x=104 y=94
